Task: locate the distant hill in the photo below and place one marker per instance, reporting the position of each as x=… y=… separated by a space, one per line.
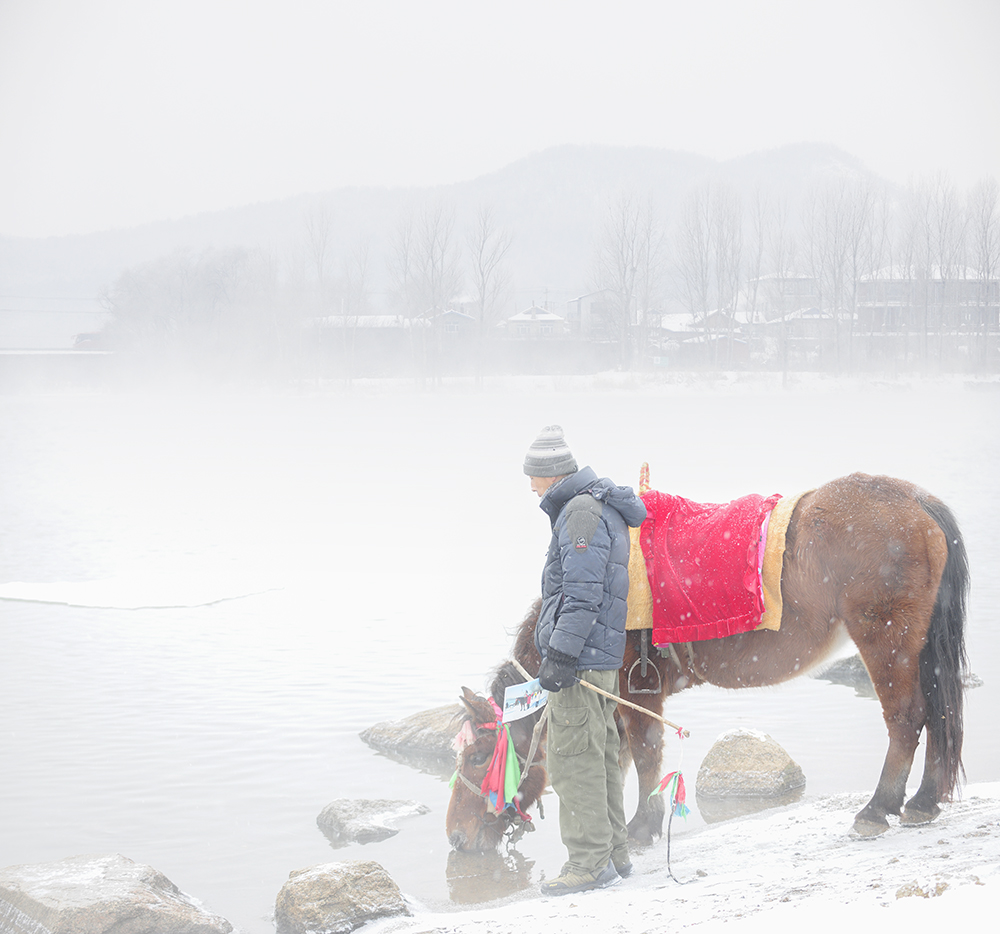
x=553 y=202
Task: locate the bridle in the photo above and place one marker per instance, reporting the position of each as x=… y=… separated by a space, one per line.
x=517 y=821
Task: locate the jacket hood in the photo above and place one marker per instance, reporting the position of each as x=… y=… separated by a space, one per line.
x=621 y=498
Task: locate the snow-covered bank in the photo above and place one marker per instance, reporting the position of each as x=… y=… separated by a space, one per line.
x=790 y=869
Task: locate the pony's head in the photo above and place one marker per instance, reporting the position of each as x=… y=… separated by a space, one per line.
x=472 y=823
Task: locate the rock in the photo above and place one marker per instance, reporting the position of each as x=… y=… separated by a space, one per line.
x=335 y=898
x=746 y=763
x=98 y=894
x=744 y=772
x=364 y=820
x=423 y=739
x=851 y=672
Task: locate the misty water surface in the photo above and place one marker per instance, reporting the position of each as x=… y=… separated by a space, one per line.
x=379 y=546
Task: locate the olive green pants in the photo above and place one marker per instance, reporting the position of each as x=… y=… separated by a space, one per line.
x=582 y=758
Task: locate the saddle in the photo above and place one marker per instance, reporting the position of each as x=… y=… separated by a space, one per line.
x=697 y=570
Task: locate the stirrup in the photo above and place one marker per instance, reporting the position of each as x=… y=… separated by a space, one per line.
x=643 y=662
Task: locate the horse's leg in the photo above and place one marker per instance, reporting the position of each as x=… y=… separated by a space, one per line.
x=922 y=808
x=645 y=747
x=904 y=714
x=890 y=648
x=645 y=741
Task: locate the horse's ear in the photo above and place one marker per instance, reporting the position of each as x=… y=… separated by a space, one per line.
x=476 y=706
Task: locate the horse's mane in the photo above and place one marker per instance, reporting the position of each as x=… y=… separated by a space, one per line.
x=507 y=674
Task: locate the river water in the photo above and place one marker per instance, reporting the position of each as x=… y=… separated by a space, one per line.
x=205 y=596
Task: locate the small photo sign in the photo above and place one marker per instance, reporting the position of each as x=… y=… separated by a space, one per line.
x=522 y=700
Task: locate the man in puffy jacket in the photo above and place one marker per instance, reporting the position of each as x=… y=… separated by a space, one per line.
x=580 y=635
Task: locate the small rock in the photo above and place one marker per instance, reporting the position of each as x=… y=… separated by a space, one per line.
x=335 y=898
x=913 y=890
x=423 y=739
x=748 y=764
x=98 y=895
x=364 y=820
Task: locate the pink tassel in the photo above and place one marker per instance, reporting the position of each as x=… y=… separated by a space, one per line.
x=465 y=737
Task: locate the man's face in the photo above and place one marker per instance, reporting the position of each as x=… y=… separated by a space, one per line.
x=540 y=485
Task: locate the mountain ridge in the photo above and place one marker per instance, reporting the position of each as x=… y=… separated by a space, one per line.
x=552 y=200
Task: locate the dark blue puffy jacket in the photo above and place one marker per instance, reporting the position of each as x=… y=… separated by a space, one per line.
x=585 y=579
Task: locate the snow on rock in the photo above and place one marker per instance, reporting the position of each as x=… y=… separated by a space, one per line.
x=335 y=898
x=364 y=820
x=98 y=894
x=788 y=870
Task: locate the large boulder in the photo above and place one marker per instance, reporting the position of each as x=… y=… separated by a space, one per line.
x=335 y=898
x=743 y=772
x=423 y=739
x=98 y=895
x=364 y=820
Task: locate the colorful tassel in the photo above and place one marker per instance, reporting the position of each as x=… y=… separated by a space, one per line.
x=504 y=773
x=678 y=794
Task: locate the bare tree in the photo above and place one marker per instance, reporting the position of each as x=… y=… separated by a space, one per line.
x=726 y=232
x=709 y=251
x=651 y=273
x=424 y=261
x=437 y=260
x=354 y=301
x=865 y=241
x=828 y=218
x=401 y=263
x=356 y=278
x=488 y=245
x=948 y=234
x=693 y=250
x=984 y=240
x=761 y=212
x=935 y=225
x=319 y=224
x=628 y=265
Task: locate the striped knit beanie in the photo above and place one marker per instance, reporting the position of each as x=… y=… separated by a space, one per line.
x=549 y=455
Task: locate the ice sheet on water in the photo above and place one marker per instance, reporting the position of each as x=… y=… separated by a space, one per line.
x=136 y=588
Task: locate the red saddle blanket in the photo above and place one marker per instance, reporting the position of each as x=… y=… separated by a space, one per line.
x=701 y=561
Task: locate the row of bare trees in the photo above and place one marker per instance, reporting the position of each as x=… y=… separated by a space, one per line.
x=424 y=263
x=256 y=304
x=849 y=232
x=711 y=259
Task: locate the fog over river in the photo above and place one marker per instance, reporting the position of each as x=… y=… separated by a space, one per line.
x=204 y=597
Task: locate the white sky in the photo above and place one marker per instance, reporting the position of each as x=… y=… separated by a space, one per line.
x=116 y=112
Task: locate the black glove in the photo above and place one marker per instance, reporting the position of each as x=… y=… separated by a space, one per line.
x=558 y=671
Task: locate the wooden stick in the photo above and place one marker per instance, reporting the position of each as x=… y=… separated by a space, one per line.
x=648 y=713
x=620 y=700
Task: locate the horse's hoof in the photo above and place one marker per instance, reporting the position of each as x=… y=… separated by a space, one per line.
x=641 y=834
x=912 y=817
x=640 y=838
x=870 y=828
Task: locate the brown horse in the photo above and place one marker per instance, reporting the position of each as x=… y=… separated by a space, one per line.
x=873 y=558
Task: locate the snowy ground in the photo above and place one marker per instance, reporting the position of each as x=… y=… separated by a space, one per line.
x=790 y=869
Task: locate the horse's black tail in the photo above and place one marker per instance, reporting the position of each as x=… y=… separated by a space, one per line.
x=943 y=660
